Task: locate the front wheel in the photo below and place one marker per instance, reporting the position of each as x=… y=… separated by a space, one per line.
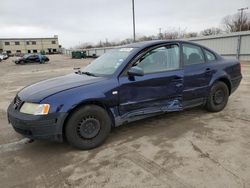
x=88 y=127
x=218 y=97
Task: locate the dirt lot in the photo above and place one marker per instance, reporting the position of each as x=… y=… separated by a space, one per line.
x=188 y=149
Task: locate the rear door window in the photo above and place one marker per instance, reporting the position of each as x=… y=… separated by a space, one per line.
x=192 y=54
x=209 y=55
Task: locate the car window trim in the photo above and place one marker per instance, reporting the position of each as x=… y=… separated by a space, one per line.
x=144 y=51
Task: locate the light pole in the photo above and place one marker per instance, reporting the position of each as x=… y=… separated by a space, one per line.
x=241 y=15
x=133 y=10
x=160 y=35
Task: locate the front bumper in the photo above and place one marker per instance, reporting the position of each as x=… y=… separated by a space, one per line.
x=47 y=127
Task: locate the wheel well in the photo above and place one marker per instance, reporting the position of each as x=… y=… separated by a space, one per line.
x=84 y=104
x=227 y=82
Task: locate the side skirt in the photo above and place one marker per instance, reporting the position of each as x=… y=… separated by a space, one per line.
x=124 y=120
x=194 y=103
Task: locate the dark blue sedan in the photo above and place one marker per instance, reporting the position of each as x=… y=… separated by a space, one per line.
x=126 y=84
x=31 y=58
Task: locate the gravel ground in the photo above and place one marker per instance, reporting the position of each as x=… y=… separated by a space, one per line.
x=193 y=148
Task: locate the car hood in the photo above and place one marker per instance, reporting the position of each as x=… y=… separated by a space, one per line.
x=43 y=89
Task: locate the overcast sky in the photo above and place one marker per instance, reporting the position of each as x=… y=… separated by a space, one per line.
x=78 y=21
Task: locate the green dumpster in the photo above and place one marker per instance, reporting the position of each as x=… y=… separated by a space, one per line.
x=84 y=54
x=78 y=54
x=73 y=54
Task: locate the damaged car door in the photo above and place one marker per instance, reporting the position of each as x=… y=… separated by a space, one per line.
x=197 y=74
x=152 y=83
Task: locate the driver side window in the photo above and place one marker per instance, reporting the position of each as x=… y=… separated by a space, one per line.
x=160 y=59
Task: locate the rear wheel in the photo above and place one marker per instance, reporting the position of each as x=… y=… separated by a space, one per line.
x=218 y=97
x=88 y=127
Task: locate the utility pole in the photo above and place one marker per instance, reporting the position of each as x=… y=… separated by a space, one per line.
x=241 y=15
x=133 y=10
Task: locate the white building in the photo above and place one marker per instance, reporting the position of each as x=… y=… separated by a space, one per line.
x=29 y=45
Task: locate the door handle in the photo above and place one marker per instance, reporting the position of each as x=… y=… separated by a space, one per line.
x=208 y=71
x=177 y=78
x=179 y=85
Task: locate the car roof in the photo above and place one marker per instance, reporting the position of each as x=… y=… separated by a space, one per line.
x=147 y=44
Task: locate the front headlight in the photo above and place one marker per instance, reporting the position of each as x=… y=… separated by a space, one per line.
x=35 y=109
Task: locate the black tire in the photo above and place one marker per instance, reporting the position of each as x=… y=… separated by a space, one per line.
x=218 y=97
x=88 y=127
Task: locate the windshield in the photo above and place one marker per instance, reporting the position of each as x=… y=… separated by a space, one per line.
x=108 y=63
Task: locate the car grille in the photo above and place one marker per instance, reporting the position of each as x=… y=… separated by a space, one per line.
x=17 y=103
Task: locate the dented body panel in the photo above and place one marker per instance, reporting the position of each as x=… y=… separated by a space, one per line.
x=159 y=92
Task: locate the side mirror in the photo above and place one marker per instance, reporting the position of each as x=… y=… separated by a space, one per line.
x=135 y=71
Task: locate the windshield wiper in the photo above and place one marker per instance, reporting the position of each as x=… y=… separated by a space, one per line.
x=78 y=71
x=88 y=73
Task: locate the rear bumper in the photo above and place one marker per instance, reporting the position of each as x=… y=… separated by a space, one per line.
x=235 y=83
x=47 y=127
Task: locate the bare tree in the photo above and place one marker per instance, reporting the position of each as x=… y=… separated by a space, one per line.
x=126 y=41
x=236 y=22
x=146 y=38
x=85 y=45
x=211 y=31
x=190 y=34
